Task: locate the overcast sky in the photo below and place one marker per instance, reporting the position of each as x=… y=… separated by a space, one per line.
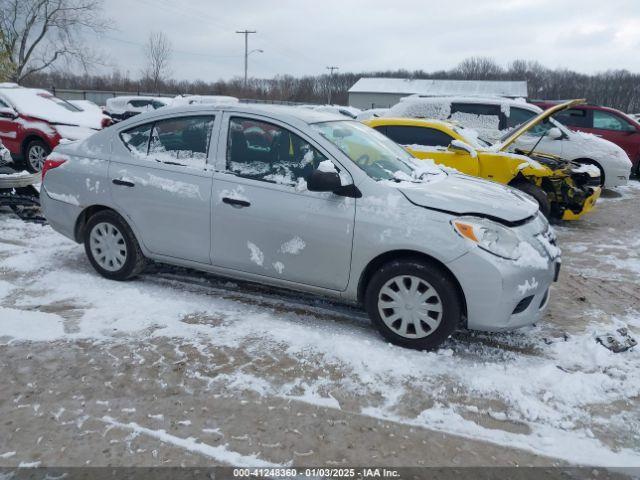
x=304 y=36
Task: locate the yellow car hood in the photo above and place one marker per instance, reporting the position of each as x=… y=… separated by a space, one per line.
x=525 y=127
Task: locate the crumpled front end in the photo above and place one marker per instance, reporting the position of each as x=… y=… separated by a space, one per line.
x=572 y=189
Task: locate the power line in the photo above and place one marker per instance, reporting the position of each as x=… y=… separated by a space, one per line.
x=181 y=52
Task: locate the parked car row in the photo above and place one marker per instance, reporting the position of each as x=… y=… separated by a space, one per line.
x=494 y=118
x=121 y=108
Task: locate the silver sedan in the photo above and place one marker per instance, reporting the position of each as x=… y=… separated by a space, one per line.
x=307 y=201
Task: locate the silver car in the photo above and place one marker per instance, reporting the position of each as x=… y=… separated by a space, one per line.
x=307 y=201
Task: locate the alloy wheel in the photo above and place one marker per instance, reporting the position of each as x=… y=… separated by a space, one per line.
x=37 y=155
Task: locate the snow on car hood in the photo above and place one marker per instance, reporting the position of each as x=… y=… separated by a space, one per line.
x=462 y=194
x=40 y=104
x=599 y=148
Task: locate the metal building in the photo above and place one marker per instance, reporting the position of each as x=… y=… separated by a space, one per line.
x=380 y=92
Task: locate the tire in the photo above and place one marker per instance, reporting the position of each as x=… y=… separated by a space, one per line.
x=34 y=155
x=122 y=259
x=417 y=333
x=538 y=194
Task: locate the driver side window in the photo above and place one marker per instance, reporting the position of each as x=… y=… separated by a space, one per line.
x=269 y=153
x=608 y=121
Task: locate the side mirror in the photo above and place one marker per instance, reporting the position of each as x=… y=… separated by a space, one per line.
x=462 y=147
x=6 y=112
x=555 y=133
x=322 y=181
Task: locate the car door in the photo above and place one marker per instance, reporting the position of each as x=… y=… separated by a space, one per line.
x=616 y=129
x=9 y=129
x=161 y=180
x=265 y=221
x=430 y=143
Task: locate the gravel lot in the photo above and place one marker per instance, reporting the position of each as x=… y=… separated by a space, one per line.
x=180 y=368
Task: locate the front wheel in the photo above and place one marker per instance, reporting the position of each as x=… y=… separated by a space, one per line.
x=413 y=304
x=35 y=155
x=538 y=194
x=112 y=247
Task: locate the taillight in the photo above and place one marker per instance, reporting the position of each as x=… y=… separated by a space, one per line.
x=106 y=121
x=50 y=163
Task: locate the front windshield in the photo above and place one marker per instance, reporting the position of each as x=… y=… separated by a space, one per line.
x=377 y=155
x=61 y=102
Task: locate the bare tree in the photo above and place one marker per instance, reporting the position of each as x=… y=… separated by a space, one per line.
x=158 y=51
x=5 y=63
x=38 y=34
x=479 y=68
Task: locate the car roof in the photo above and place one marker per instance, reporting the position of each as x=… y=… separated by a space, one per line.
x=468 y=99
x=285 y=113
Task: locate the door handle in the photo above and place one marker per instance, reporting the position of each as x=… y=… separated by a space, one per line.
x=235 y=202
x=124 y=183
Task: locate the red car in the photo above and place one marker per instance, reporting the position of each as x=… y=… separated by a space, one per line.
x=605 y=122
x=33 y=122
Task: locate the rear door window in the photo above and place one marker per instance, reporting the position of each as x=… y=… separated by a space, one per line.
x=182 y=141
x=408 y=135
x=609 y=121
x=574 y=117
x=478 y=115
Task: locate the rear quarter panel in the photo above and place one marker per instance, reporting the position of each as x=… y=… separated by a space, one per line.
x=78 y=183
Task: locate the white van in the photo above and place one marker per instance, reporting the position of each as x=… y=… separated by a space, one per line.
x=494 y=117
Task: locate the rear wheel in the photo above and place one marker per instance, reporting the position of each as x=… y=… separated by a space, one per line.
x=538 y=194
x=413 y=304
x=112 y=247
x=35 y=155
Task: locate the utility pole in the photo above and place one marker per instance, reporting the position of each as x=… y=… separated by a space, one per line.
x=246 y=51
x=331 y=69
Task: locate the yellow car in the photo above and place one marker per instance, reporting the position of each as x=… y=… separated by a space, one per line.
x=563 y=189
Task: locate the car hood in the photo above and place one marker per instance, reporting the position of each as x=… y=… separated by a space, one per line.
x=600 y=148
x=465 y=195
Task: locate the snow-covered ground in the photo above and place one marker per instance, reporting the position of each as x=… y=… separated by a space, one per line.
x=201 y=370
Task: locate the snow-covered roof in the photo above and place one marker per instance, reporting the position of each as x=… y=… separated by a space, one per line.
x=440 y=87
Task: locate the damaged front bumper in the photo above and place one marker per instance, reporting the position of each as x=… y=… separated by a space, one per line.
x=505 y=294
x=588 y=205
x=571 y=196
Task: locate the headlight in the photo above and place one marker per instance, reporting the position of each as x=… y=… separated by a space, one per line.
x=489 y=236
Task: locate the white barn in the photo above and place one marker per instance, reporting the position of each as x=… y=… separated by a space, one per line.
x=380 y=92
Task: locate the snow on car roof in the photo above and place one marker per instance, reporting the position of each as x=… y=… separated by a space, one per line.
x=440 y=87
x=284 y=112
